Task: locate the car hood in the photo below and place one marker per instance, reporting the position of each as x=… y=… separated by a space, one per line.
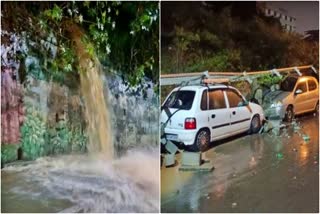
x=274 y=96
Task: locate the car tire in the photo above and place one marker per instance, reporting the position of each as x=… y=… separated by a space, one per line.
x=202 y=141
x=255 y=124
x=289 y=115
x=317 y=108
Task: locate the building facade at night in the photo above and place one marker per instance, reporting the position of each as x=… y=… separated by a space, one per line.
x=287 y=22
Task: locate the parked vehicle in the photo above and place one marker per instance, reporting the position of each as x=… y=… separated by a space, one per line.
x=197 y=115
x=297 y=95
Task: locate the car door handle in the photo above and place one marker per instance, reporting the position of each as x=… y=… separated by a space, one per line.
x=213 y=116
x=234 y=112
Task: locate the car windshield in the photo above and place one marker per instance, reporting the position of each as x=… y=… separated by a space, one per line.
x=180 y=100
x=288 y=83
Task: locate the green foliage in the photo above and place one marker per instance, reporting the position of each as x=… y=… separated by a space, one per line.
x=210 y=39
x=124 y=35
x=130 y=46
x=79 y=141
x=219 y=62
x=134 y=44
x=33 y=135
x=60 y=139
x=217 y=40
x=37 y=140
x=63 y=140
x=183 y=38
x=268 y=80
x=182 y=42
x=9 y=153
x=55 y=13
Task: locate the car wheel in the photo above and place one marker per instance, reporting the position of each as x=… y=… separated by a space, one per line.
x=289 y=114
x=317 y=108
x=202 y=141
x=255 y=125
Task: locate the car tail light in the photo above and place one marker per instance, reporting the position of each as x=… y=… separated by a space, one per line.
x=190 y=123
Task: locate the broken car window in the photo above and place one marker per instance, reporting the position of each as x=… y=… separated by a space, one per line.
x=288 y=83
x=180 y=100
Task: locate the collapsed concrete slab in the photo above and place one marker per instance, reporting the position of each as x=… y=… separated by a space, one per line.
x=191 y=158
x=192 y=161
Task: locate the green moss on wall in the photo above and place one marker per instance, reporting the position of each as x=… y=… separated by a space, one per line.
x=33 y=135
x=39 y=140
x=65 y=140
x=9 y=152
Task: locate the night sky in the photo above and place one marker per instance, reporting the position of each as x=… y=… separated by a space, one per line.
x=306 y=13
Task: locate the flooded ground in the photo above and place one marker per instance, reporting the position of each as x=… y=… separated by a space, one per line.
x=257 y=173
x=83 y=184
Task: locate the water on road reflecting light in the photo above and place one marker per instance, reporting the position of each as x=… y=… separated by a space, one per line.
x=252 y=173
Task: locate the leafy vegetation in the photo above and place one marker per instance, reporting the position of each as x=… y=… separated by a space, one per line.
x=33 y=135
x=217 y=36
x=268 y=80
x=62 y=140
x=9 y=153
x=38 y=140
x=124 y=35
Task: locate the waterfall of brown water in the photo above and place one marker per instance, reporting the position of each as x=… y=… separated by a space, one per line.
x=91 y=85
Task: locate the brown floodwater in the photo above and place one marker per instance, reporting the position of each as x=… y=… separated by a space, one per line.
x=83 y=183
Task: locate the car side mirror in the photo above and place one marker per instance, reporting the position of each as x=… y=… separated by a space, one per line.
x=298 y=91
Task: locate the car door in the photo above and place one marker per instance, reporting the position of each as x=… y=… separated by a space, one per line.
x=301 y=99
x=239 y=112
x=313 y=94
x=213 y=105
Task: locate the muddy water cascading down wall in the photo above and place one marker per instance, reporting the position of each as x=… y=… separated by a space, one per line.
x=97 y=114
x=93 y=183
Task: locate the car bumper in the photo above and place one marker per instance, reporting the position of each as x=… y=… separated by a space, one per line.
x=275 y=112
x=182 y=136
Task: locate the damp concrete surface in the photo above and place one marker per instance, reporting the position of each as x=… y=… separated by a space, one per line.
x=252 y=173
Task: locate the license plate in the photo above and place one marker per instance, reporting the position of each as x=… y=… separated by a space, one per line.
x=172 y=137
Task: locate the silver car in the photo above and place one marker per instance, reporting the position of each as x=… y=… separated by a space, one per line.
x=297 y=95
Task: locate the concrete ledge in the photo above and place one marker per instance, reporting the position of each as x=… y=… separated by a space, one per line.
x=207 y=166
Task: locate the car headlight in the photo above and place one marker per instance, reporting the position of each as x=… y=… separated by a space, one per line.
x=276 y=104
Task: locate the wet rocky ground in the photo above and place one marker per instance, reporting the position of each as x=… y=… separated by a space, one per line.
x=253 y=173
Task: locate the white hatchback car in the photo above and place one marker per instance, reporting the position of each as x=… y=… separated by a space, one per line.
x=197 y=115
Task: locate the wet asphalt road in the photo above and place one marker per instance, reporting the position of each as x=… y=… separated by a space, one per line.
x=253 y=173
